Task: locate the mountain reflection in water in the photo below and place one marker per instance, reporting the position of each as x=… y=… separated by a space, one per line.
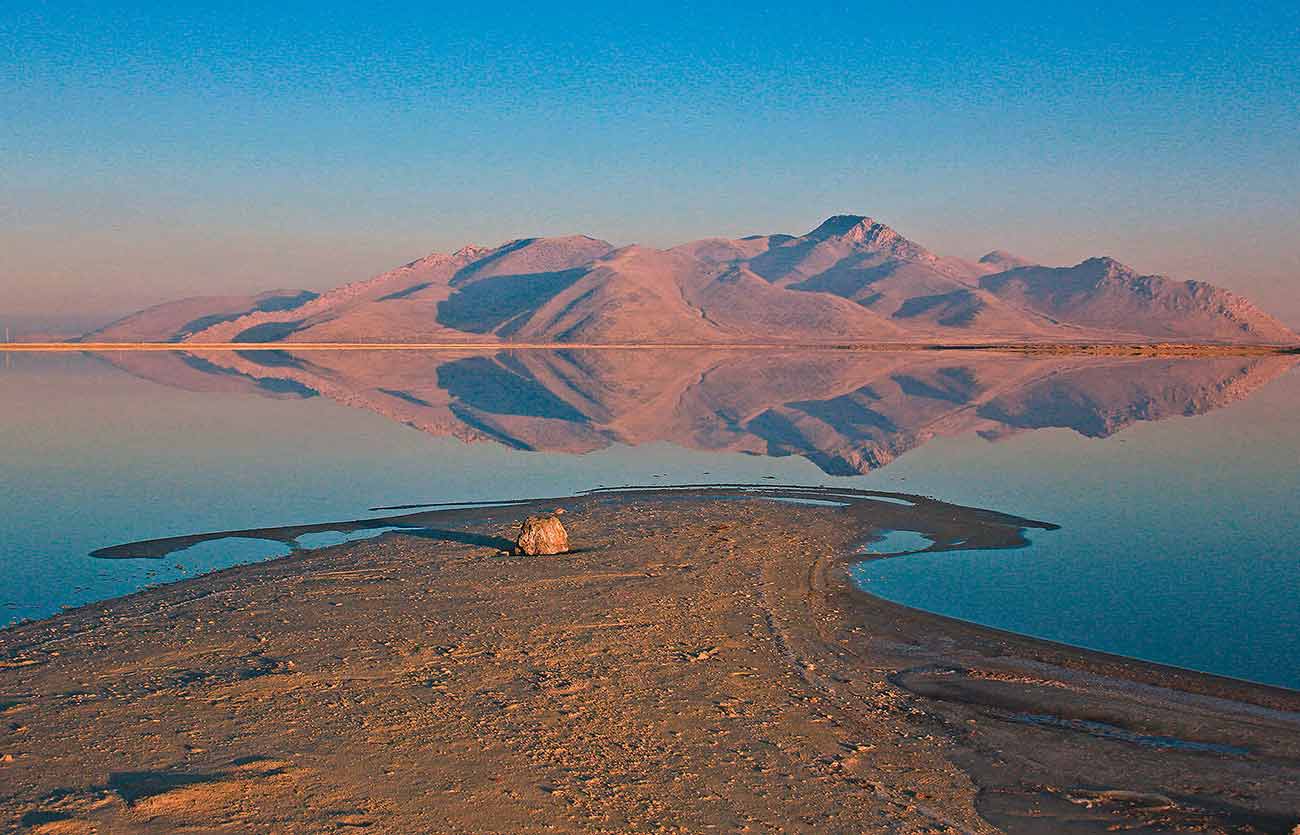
x=847 y=412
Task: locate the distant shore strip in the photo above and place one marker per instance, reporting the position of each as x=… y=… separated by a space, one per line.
x=1108 y=349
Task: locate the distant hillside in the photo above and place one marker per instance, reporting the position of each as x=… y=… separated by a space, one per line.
x=850 y=279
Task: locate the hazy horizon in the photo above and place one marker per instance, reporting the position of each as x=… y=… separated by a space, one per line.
x=71 y=317
x=154 y=155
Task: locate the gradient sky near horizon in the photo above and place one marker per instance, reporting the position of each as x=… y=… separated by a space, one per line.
x=152 y=153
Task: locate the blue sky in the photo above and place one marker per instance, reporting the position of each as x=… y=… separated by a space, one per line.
x=148 y=154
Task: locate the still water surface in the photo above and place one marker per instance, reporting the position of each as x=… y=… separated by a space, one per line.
x=1175 y=482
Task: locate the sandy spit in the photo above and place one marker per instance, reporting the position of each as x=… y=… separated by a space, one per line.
x=700 y=664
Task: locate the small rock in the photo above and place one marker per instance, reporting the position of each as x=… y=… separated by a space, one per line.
x=542 y=535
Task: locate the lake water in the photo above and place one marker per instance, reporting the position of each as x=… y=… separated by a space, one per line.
x=1176 y=482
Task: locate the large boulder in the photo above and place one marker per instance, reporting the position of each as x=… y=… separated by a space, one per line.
x=542 y=535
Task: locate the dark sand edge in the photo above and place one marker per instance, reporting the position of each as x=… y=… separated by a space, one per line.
x=1076 y=658
x=702 y=662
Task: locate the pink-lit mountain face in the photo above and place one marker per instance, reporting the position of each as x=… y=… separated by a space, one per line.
x=852 y=279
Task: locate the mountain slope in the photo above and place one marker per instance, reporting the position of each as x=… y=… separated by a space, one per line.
x=177 y=320
x=632 y=295
x=403 y=304
x=741 y=304
x=1104 y=294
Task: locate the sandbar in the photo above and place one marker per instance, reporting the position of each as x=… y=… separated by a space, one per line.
x=701 y=663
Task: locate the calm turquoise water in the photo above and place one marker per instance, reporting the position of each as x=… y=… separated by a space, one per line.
x=1178 y=533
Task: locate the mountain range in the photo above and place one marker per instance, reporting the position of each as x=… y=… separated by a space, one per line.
x=848 y=412
x=852 y=279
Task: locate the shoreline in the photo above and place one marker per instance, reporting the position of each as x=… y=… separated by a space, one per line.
x=1160 y=670
x=1089 y=660
x=1118 y=348
x=700 y=661
x=163 y=547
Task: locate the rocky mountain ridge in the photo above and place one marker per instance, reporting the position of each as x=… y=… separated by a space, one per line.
x=851 y=279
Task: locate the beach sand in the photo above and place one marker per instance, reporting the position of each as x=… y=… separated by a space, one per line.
x=700 y=664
